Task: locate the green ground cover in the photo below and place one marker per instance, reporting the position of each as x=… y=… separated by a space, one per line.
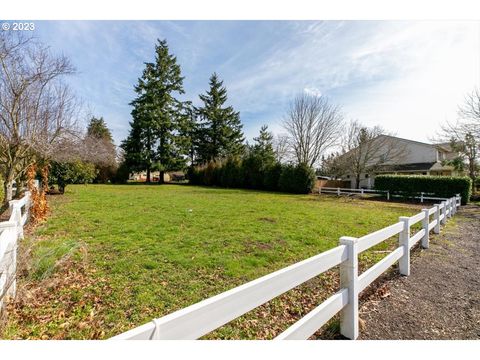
x=111 y=257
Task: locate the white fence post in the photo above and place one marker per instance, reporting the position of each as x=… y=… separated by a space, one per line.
x=403 y=239
x=388 y=194
x=349 y=326
x=361 y=191
x=421 y=197
x=425 y=223
x=338 y=191
x=449 y=207
x=28 y=203
x=444 y=212
x=436 y=229
x=16 y=215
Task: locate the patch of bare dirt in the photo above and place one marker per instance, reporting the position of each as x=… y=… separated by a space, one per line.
x=441 y=297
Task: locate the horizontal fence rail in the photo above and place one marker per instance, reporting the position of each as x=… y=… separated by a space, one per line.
x=201 y=318
x=422 y=196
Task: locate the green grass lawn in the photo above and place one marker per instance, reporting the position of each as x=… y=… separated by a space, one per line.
x=112 y=257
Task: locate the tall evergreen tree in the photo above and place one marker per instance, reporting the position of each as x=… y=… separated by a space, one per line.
x=153 y=142
x=220 y=129
x=263 y=146
x=259 y=158
x=97 y=128
x=99 y=138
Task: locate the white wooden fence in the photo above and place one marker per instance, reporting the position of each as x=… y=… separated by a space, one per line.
x=422 y=196
x=10 y=232
x=201 y=318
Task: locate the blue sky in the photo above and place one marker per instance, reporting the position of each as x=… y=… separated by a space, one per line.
x=405 y=76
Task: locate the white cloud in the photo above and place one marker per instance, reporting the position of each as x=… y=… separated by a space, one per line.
x=407 y=76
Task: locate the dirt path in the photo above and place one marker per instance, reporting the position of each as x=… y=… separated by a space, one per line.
x=441 y=297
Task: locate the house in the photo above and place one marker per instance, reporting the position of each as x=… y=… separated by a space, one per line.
x=155 y=175
x=413 y=158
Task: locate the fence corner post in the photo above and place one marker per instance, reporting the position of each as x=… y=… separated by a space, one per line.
x=436 y=229
x=403 y=239
x=349 y=320
x=426 y=223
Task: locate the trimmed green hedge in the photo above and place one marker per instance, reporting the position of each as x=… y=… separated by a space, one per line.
x=238 y=173
x=411 y=185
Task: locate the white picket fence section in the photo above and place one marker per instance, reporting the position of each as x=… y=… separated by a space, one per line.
x=10 y=232
x=422 y=196
x=201 y=318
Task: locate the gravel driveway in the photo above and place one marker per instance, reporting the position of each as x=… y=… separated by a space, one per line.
x=441 y=297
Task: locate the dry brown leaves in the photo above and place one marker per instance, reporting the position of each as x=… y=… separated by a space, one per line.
x=69 y=304
x=39 y=206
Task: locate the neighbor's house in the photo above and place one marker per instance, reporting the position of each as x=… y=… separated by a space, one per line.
x=417 y=158
x=155 y=175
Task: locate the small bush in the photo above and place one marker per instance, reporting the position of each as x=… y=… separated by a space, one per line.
x=412 y=185
x=298 y=179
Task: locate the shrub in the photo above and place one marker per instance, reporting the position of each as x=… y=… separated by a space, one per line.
x=121 y=175
x=235 y=173
x=411 y=185
x=74 y=172
x=272 y=176
x=298 y=179
x=232 y=173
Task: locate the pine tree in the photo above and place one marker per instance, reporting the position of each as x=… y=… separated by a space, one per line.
x=220 y=129
x=98 y=129
x=100 y=139
x=263 y=146
x=259 y=158
x=154 y=141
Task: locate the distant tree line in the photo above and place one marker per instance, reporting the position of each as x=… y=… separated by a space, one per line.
x=168 y=134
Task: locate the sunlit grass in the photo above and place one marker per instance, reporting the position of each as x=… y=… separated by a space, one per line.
x=161 y=248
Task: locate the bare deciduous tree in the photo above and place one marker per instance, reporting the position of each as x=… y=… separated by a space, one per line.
x=366 y=149
x=313 y=125
x=463 y=136
x=469 y=113
x=281 y=148
x=36 y=108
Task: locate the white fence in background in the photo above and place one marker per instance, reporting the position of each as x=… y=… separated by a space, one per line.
x=201 y=318
x=10 y=232
x=422 y=196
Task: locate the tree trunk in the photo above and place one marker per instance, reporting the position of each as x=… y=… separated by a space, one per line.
x=357 y=181
x=20 y=185
x=161 y=177
x=148 y=175
x=8 y=189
